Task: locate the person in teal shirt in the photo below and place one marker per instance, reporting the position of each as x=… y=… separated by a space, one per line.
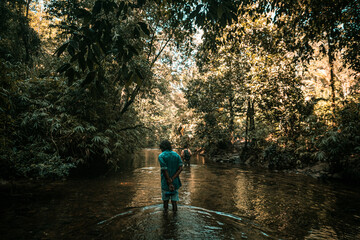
x=171 y=167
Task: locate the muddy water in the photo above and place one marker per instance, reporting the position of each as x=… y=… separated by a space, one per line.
x=216 y=202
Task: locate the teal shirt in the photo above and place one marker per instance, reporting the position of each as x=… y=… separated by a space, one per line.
x=171 y=161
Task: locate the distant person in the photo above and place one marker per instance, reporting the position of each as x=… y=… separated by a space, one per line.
x=171 y=167
x=186 y=155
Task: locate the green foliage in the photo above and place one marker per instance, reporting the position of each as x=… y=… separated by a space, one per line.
x=104 y=36
x=116 y=79
x=257 y=65
x=335 y=21
x=341 y=145
x=209 y=97
x=7 y=121
x=52 y=136
x=18 y=41
x=279 y=158
x=244 y=80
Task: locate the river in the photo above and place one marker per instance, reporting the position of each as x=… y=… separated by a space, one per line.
x=217 y=201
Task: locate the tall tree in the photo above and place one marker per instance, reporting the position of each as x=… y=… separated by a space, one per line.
x=14 y=25
x=335 y=23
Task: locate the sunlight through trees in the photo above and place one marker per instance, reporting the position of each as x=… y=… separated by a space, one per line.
x=84 y=83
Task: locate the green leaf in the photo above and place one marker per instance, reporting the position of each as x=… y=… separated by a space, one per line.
x=106 y=151
x=83 y=13
x=90 y=60
x=70 y=74
x=320 y=156
x=97 y=7
x=141 y=3
x=132 y=50
x=144 y=28
x=200 y=19
x=108 y=7
x=99 y=88
x=90 y=64
x=89 y=33
x=139 y=74
x=129 y=80
x=109 y=131
x=96 y=50
x=135 y=79
x=74 y=44
x=89 y=78
x=220 y=11
x=81 y=61
x=71 y=50
x=63 y=68
x=91 y=56
x=196 y=11
x=125 y=10
x=136 y=32
x=223 y=21
x=96 y=139
x=61 y=49
x=79 y=129
x=74 y=58
x=120 y=9
x=101 y=75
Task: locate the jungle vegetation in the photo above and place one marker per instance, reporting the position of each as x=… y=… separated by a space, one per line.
x=85 y=83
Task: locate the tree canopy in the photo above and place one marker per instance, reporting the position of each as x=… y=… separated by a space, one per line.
x=86 y=82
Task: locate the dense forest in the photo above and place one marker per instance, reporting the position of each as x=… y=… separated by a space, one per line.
x=84 y=83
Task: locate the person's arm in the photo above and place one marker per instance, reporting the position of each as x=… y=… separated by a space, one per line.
x=165 y=172
x=169 y=180
x=177 y=173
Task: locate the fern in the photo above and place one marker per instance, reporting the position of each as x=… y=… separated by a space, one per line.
x=91 y=129
x=118 y=145
x=79 y=129
x=320 y=156
x=97 y=139
x=107 y=151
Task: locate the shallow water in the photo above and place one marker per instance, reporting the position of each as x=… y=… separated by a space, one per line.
x=216 y=202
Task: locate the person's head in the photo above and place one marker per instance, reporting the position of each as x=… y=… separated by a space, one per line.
x=165 y=145
x=186 y=146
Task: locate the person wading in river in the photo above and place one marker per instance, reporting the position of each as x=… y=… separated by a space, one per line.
x=171 y=167
x=186 y=155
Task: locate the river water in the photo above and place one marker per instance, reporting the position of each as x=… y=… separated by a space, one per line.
x=216 y=202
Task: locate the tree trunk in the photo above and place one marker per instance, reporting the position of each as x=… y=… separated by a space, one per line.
x=251 y=115
x=247 y=125
x=27 y=8
x=332 y=76
x=231 y=104
x=25 y=38
x=232 y=115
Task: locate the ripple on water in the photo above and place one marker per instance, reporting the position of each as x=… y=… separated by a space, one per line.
x=188 y=223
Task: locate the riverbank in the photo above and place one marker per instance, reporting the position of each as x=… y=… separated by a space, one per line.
x=320 y=170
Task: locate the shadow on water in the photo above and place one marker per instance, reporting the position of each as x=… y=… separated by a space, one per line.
x=216 y=202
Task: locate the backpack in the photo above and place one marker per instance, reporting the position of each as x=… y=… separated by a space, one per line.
x=186 y=155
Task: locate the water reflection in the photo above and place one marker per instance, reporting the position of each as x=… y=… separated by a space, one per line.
x=188 y=223
x=216 y=202
x=294 y=206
